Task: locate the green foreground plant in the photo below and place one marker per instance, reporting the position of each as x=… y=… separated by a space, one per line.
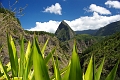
x=32 y=65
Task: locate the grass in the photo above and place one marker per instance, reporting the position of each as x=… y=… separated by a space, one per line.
x=32 y=65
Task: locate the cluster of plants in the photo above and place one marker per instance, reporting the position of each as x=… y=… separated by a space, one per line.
x=12 y=11
x=39 y=33
x=108 y=47
x=6 y=11
x=87 y=37
x=7 y=14
x=33 y=64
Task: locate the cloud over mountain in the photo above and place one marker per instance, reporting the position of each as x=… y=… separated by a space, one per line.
x=113 y=4
x=98 y=9
x=100 y=17
x=56 y=9
x=92 y=22
x=49 y=26
x=82 y=23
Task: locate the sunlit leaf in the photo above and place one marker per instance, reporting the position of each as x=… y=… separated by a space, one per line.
x=12 y=56
x=4 y=71
x=56 y=69
x=22 y=58
x=66 y=72
x=112 y=74
x=17 y=78
x=99 y=71
x=28 y=58
x=75 y=68
x=89 y=71
x=83 y=76
x=15 y=55
x=39 y=65
x=43 y=49
x=49 y=56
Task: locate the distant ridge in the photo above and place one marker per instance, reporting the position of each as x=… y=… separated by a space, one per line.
x=90 y=31
x=109 y=29
x=64 y=32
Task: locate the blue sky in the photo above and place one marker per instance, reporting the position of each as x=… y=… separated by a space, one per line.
x=46 y=15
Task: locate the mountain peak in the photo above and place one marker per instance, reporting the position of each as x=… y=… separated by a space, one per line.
x=64 y=22
x=64 y=32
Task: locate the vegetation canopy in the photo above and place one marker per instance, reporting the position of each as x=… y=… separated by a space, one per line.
x=32 y=65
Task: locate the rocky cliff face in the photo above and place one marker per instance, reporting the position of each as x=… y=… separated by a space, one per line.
x=8 y=24
x=64 y=32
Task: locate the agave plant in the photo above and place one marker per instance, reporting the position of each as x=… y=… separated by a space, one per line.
x=35 y=59
x=20 y=68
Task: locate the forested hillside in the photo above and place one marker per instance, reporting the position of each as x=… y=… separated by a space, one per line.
x=110 y=48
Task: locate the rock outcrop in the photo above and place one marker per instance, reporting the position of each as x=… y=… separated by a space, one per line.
x=64 y=32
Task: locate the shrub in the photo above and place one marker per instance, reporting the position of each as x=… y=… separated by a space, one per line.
x=20 y=68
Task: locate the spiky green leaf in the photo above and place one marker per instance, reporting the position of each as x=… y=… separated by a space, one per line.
x=22 y=58
x=43 y=49
x=56 y=69
x=75 y=68
x=99 y=71
x=4 y=71
x=40 y=69
x=66 y=72
x=112 y=74
x=49 y=56
x=89 y=72
x=12 y=55
x=28 y=58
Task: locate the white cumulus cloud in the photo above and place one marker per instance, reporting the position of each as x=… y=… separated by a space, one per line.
x=56 y=9
x=92 y=22
x=99 y=19
x=82 y=23
x=113 y=4
x=49 y=26
x=98 y=9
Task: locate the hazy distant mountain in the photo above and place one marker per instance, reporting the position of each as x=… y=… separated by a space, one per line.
x=109 y=29
x=64 y=32
x=91 y=32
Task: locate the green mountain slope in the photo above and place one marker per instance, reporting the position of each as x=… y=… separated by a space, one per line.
x=64 y=32
x=109 y=29
x=9 y=23
x=83 y=42
x=110 y=48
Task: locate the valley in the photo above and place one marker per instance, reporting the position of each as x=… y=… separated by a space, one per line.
x=102 y=42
